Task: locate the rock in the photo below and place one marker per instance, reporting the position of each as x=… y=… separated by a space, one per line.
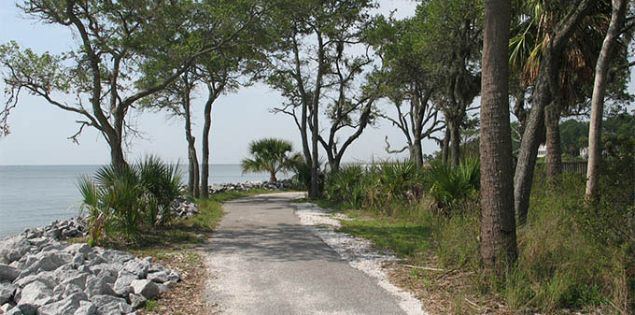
x=159 y=277
x=122 y=285
x=100 y=284
x=75 y=277
x=137 y=267
x=174 y=276
x=107 y=304
x=46 y=277
x=145 y=287
x=13 y=248
x=46 y=260
x=68 y=305
x=8 y=273
x=116 y=256
x=35 y=294
x=65 y=290
x=79 y=248
x=5 y=308
x=7 y=290
x=137 y=300
x=14 y=311
x=86 y=308
x=162 y=288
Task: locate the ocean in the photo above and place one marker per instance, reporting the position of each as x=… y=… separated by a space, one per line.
x=32 y=196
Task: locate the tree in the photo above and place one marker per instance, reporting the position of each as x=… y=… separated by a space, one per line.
x=544 y=92
x=177 y=99
x=597 y=101
x=308 y=35
x=453 y=43
x=498 y=226
x=406 y=83
x=270 y=155
x=116 y=39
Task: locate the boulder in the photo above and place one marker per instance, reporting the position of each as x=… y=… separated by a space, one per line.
x=35 y=294
x=8 y=273
x=68 y=305
x=79 y=248
x=46 y=261
x=46 y=277
x=13 y=248
x=14 y=311
x=116 y=256
x=65 y=290
x=159 y=277
x=145 y=287
x=86 y=308
x=137 y=300
x=107 y=305
x=174 y=276
x=5 y=308
x=7 y=290
x=100 y=284
x=122 y=285
x=138 y=267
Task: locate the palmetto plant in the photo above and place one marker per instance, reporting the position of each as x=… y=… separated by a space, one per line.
x=122 y=201
x=272 y=156
x=449 y=186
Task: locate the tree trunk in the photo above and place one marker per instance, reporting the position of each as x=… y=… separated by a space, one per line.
x=193 y=175
x=597 y=101
x=445 y=145
x=544 y=88
x=416 y=154
x=554 y=146
x=455 y=142
x=117 y=158
x=315 y=185
x=498 y=227
x=193 y=182
x=207 y=125
x=272 y=177
x=524 y=174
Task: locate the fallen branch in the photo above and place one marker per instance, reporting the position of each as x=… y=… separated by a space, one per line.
x=425 y=268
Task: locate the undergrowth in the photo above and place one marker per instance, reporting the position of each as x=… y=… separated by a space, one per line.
x=571 y=257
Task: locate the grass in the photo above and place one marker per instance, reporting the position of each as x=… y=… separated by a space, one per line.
x=570 y=257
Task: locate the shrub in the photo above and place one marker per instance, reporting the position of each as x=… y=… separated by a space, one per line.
x=450 y=187
x=120 y=202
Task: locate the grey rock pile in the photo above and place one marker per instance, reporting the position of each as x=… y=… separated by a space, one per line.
x=42 y=275
x=183 y=208
x=279 y=185
x=61 y=230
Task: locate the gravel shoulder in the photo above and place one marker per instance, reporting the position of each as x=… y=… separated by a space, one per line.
x=267 y=257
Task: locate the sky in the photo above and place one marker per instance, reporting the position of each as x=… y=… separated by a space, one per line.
x=39 y=132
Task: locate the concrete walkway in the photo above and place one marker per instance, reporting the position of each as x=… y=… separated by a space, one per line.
x=263 y=261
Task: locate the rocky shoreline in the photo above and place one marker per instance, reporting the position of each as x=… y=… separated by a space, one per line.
x=41 y=273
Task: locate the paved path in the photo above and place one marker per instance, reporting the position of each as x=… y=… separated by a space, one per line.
x=264 y=262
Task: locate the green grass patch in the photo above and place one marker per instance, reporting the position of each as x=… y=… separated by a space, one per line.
x=405 y=237
x=571 y=257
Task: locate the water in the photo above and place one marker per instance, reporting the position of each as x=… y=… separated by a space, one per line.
x=32 y=196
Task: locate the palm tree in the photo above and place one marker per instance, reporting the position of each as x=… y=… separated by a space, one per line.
x=498 y=227
x=270 y=155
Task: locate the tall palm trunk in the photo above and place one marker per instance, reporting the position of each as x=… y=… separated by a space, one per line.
x=554 y=146
x=544 y=89
x=597 y=100
x=498 y=227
